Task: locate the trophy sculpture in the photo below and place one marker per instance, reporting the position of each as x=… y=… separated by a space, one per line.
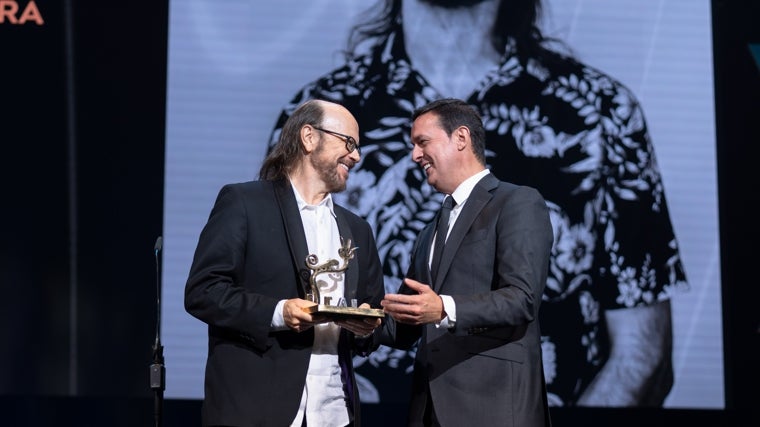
x=346 y=252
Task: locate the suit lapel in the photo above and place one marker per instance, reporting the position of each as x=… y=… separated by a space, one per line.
x=350 y=281
x=294 y=232
x=479 y=197
x=351 y=274
x=426 y=235
x=299 y=248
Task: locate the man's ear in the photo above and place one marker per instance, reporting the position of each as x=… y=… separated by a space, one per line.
x=462 y=136
x=309 y=138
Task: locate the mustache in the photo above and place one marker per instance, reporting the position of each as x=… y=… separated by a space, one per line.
x=349 y=163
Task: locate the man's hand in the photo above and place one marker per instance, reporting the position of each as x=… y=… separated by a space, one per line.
x=296 y=318
x=361 y=327
x=423 y=306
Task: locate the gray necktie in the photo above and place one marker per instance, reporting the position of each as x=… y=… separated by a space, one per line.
x=441 y=231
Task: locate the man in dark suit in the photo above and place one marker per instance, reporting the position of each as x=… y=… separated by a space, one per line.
x=270 y=362
x=479 y=358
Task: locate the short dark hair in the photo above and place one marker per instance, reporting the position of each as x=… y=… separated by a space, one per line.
x=453 y=113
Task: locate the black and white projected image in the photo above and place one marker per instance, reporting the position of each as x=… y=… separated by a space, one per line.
x=630 y=235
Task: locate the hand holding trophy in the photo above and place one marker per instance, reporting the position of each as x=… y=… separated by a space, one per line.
x=341 y=309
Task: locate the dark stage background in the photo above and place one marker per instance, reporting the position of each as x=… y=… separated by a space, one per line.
x=82 y=115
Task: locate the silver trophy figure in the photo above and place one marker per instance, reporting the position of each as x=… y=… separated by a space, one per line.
x=346 y=253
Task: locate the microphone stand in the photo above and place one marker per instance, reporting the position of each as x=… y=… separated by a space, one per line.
x=157 y=369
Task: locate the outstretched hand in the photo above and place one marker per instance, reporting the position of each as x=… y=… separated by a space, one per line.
x=361 y=327
x=422 y=306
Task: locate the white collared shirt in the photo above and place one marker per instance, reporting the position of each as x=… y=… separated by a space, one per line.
x=323 y=401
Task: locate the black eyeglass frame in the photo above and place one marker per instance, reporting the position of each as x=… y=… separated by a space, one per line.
x=351 y=143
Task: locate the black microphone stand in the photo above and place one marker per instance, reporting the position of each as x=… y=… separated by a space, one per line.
x=157 y=370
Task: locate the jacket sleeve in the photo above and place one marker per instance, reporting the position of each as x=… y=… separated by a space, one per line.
x=214 y=292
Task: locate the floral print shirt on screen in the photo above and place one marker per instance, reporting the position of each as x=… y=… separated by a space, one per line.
x=566 y=129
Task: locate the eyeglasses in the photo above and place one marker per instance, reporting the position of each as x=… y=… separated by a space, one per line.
x=351 y=143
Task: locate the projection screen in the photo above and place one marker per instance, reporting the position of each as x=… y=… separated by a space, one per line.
x=233 y=65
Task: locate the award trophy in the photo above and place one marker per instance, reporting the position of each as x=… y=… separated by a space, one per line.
x=341 y=309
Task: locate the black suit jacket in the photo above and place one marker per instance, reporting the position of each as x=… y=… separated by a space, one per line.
x=487 y=370
x=251 y=254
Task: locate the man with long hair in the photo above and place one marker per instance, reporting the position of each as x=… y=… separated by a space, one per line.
x=270 y=362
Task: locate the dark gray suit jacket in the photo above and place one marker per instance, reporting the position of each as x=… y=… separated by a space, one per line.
x=251 y=254
x=487 y=370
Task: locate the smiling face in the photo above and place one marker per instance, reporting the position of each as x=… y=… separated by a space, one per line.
x=330 y=159
x=437 y=153
x=332 y=162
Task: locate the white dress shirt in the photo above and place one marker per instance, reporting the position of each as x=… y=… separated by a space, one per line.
x=323 y=401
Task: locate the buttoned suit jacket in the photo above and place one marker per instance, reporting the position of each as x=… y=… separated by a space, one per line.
x=251 y=254
x=487 y=369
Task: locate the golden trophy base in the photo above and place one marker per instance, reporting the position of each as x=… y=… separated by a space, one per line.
x=339 y=312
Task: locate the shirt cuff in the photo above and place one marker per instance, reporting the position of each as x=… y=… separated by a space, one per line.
x=278 y=320
x=450 y=307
